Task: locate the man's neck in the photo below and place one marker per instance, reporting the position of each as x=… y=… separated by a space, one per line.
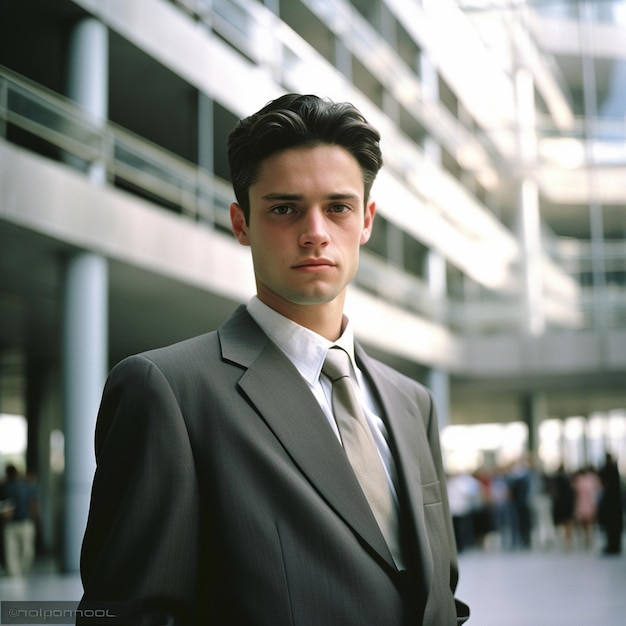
x=325 y=319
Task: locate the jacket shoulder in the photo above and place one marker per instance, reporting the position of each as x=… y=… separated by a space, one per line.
x=198 y=356
x=174 y=356
x=192 y=348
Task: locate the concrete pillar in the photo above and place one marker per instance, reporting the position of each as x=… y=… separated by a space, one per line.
x=84 y=367
x=35 y=384
x=534 y=411
x=529 y=224
x=587 y=15
x=85 y=305
x=438 y=379
x=439 y=384
x=529 y=219
x=436 y=275
x=88 y=67
x=87 y=77
x=206 y=136
x=44 y=414
x=206 y=157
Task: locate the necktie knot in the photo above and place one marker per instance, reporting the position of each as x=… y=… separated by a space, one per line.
x=337 y=364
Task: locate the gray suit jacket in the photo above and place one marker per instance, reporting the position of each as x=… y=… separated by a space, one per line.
x=222 y=496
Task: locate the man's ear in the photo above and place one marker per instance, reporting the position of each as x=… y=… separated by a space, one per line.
x=238 y=224
x=368 y=222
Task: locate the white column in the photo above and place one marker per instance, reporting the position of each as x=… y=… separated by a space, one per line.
x=85 y=313
x=439 y=384
x=530 y=235
x=436 y=268
x=84 y=367
x=438 y=379
x=529 y=222
x=88 y=67
x=88 y=81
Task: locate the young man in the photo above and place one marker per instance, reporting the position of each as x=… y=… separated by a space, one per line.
x=228 y=490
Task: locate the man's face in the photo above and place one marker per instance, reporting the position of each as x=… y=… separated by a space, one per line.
x=307 y=222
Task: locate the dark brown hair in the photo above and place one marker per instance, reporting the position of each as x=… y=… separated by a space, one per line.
x=295 y=120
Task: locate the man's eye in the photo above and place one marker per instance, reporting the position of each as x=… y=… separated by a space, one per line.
x=282 y=209
x=339 y=208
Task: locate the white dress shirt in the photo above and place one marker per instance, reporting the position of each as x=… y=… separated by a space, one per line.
x=307 y=351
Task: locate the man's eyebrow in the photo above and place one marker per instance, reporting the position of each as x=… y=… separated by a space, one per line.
x=282 y=196
x=342 y=196
x=296 y=196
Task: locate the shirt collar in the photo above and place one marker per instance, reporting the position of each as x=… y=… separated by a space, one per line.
x=303 y=347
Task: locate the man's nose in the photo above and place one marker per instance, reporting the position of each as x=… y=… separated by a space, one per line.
x=314 y=231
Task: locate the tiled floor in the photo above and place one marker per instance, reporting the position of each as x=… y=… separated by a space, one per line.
x=535 y=588
x=44 y=586
x=543 y=588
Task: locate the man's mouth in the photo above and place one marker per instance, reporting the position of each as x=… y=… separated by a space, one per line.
x=314 y=264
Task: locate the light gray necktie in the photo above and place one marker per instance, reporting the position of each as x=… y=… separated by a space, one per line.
x=360 y=447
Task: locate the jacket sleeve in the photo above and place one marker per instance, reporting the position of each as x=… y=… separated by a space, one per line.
x=140 y=549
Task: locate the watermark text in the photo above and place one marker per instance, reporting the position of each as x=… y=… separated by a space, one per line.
x=56 y=612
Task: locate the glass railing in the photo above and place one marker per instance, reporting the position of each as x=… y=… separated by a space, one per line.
x=130 y=161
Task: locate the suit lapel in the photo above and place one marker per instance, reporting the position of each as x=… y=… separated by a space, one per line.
x=409 y=442
x=299 y=423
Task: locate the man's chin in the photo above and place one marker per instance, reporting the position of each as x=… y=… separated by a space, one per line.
x=312 y=295
x=319 y=298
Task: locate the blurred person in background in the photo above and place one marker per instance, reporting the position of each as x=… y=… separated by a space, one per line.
x=611 y=506
x=501 y=507
x=19 y=512
x=587 y=490
x=563 y=505
x=522 y=487
x=544 y=531
x=483 y=519
x=465 y=497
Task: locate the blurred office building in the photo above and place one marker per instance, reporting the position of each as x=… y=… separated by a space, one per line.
x=497 y=273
